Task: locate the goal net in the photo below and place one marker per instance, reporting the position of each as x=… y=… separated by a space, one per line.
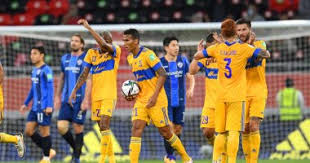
x=288 y=42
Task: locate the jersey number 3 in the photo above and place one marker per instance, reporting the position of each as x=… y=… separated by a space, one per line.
x=227 y=67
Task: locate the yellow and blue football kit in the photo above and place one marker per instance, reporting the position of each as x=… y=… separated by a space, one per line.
x=255 y=103
x=211 y=71
x=144 y=66
x=256 y=86
x=231 y=59
x=104 y=85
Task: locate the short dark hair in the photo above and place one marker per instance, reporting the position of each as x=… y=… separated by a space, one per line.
x=133 y=32
x=39 y=48
x=210 y=38
x=289 y=82
x=168 y=39
x=244 y=21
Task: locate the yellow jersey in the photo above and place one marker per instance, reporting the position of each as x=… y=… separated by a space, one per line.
x=104 y=72
x=231 y=59
x=211 y=71
x=255 y=74
x=144 y=66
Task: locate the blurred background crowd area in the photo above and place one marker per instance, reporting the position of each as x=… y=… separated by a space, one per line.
x=53 y=12
x=48 y=12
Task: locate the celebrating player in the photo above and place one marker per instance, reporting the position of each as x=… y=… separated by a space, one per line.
x=210 y=67
x=103 y=63
x=151 y=103
x=71 y=68
x=256 y=93
x=17 y=140
x=41 y=94
x=176 y=67
x=231 y=57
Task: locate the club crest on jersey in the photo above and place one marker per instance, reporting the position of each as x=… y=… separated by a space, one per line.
x=180 y=64
x=38 y=72
x=93 y=59
x=79 y=62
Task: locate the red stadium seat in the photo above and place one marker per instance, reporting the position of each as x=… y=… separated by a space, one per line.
x=23 y=19
x=58 y=7
x=36 y=7
x=5 y=19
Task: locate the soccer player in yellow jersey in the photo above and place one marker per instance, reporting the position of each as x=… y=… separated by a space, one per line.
x=17 y=140
x=210 y=67
x=231 y=57
x=151 y=102
x=103 y=64
x=256 y=94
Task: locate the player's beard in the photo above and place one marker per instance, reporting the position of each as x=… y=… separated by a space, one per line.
x=247 y=37
x=74 y=49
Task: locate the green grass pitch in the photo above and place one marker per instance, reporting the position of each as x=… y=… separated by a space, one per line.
x=199 y=161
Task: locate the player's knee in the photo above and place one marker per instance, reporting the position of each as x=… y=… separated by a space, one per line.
x=104 y=123
x=78 y=128
x=246 y=129
x=62 y=129
x=29 y=132
x=208 y=132
x=165 y=132
x=254 y=126
x=177 y=129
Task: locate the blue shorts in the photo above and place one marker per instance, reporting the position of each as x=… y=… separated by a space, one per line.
x=176 y=114
x=74 y=114
x=40 y=117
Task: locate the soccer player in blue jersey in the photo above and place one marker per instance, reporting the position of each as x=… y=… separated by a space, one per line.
x=71 y=68
x=177 y=68
x=41 y=94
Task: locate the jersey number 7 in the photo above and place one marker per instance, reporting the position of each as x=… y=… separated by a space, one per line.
x=227 y=67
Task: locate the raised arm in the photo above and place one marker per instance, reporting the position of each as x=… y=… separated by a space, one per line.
x=199 y=54
x=161 y=72
x=101 y=42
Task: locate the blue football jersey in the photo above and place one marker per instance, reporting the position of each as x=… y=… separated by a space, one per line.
x=72 y=67
x=175 y=84
x=42 y=88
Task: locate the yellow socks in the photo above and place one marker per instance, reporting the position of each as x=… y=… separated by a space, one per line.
x=246 y=147
x=178 y=146
x=219 y=147
x=134 y=149
x=105 y=143
x=6 y=138
x=255 y=145
x=111 y=152
x=232 y=146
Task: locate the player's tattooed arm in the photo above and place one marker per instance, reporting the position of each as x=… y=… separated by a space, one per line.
x=79 y=84
x=101 y=42
x=159 y=85
x=263 y=54
x=86 y=101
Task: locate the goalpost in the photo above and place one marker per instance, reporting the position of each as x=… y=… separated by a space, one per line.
x=288 y=42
